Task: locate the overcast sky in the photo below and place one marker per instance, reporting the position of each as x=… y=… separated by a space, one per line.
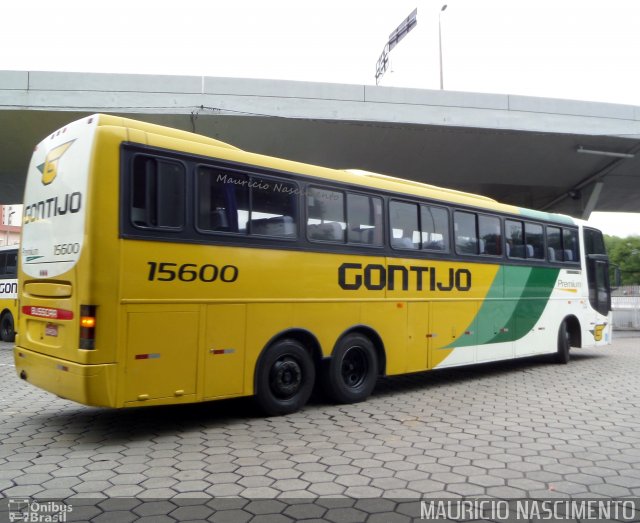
x=576 y=49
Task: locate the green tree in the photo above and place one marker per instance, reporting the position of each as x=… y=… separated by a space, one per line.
x=625 y=253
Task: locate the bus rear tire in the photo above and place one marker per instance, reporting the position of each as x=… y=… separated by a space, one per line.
x=564 y=344
x=351 y=374
x=7 y=332
x=285 y=379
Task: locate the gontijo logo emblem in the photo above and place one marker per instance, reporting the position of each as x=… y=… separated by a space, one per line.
x=49 y=168
x=597 y=331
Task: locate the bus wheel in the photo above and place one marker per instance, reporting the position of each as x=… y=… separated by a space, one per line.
x=6 y=328
x=352 y=371
x=564 y=343
x=285 y=379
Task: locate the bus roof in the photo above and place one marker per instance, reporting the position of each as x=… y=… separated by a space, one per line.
x=352 y=176
x=119 y=121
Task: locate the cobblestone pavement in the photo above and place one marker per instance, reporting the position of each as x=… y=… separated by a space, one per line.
x=518 y=429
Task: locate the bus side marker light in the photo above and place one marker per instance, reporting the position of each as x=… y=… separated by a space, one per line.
x=215 y=352
x=63 y=368
x=153 y=356
x=504 y=329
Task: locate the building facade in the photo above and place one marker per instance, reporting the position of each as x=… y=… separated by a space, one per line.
x=10 y=225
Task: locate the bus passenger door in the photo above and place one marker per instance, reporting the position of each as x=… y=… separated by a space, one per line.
x=598 y=279
x=224 y=350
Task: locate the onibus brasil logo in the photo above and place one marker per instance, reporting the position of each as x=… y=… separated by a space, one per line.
x=49 y=168
x=38 y=511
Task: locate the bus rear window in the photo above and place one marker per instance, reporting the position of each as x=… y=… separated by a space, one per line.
x=157 y=193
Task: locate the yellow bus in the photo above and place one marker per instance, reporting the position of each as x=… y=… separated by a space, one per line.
x=158 y=266
x=8 y=292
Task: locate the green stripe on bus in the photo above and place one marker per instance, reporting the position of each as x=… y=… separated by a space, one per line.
x=512 y=306
x=532 y=302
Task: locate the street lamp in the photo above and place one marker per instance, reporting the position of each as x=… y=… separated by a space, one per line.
x=442 y=9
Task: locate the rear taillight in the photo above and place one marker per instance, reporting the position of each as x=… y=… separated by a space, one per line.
x=88 y=327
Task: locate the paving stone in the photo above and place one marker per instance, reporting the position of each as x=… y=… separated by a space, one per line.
x=265 y=506
x=231 y=516
x=345 y=515
x=515 y=429
x=119 y=516
x=191 y=513
x=154 y=508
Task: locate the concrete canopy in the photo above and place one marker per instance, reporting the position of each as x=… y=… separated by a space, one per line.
x=519 y=150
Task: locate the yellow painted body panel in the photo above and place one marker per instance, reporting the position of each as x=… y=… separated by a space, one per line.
x=87 y=384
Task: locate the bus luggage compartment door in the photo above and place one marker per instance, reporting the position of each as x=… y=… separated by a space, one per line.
x=161 y=353
x=224 y=350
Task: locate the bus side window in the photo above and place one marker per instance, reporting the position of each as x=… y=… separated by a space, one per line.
x=364 y=214
x=554 y=244
x=157 y=193
x=274 y=208
x=534 y=240
x=434 y=222
x=570 y=243
x=405 y=230
x=223 y=200
x=326 y=215
x=515 y=239
x=490 y=235
x=465 y=226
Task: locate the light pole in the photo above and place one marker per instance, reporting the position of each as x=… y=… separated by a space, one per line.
x=442 y=9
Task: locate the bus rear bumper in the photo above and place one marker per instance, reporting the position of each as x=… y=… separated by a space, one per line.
x=93 y=385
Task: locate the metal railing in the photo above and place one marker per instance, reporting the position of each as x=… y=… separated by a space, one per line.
x=625 y=303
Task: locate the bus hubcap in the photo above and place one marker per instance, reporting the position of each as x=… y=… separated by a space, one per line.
x=354 y=367
x=286 y=377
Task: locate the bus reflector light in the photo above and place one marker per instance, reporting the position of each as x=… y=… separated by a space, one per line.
x=87 y=327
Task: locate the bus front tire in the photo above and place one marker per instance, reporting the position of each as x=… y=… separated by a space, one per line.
x=7 y=333
x=564 y=344
x=285 y=379
x=351 y=374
